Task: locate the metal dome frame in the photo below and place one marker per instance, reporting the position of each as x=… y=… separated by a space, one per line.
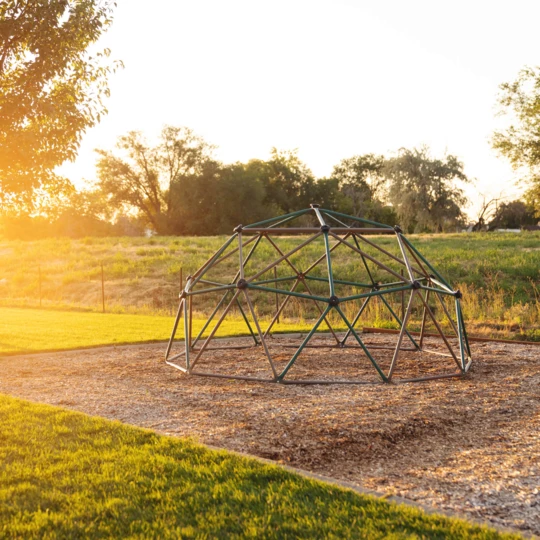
x=418 y=277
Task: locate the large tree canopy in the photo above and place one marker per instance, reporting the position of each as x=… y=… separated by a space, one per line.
x=520 y=142
x=51 y=89
x=361 y=182
x=153 y=179
x=424 y=191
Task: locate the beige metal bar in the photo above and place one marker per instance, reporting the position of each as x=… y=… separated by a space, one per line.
x=386 y=252
x=369 y=257
x=430 y=313
x=405 y=259
x=298 y=273
x=261 y=337
x=215 y=329
x=400 y=338
x=275 y=263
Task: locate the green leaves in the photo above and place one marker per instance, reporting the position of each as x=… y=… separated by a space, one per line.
x=51 y=90
x=520 y=141
x=423 y=190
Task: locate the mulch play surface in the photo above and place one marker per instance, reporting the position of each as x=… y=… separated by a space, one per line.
x=470 y=445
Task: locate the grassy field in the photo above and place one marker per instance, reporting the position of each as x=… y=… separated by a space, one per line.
x=68 y=475
x=498 y=273
x=33 y=330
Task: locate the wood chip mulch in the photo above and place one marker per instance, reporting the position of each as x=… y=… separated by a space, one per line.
x=469 y=445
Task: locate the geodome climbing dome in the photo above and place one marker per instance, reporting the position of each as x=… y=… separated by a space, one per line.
x=301 y=287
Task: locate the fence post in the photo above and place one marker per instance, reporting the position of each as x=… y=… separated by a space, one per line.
x=39 y=281
x=102 y=290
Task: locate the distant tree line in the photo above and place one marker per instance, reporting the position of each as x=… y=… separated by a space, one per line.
x=177 y=187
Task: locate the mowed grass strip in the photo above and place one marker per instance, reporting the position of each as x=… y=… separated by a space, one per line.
x=32 y=330
x=67 y=475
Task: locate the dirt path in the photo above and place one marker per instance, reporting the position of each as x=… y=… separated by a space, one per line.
x=470 y=446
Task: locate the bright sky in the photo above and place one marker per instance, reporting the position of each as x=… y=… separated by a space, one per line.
x=331 y=78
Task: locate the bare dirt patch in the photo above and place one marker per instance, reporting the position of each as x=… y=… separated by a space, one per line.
x=468 y=445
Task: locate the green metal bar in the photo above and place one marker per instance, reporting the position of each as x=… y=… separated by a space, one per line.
x=335 y=219
x=247 y=321
x=212 y=289
x=382 y=225
x=329 y=264
x=274 y=280
x=281 y=308
x=364 y=260
x=304 y=343
x=209 y=320
x=355 y=249
x=254 y=247
x=291 y=215
x=375 y=293
x=341 y=282
x=215 y=329
x=286 y=256
x=358 y=315
x=361 y=343
x=289 y=293
x=424 y=260
x=217 y=283
x=400 y=322
x=211 y=261
x=358 y=246
x=239 y=307
x=282 y=222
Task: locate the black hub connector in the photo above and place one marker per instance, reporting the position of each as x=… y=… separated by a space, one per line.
x=376 y=287
x=398 y=229
x=458 y=294
x=416 y=285
x=238 y=228
x=325 y=228
x=333 y=300
x=241 y=284
x=313 y=205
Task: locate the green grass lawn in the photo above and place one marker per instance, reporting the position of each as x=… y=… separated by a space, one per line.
x=67 y=475
x=32 y=330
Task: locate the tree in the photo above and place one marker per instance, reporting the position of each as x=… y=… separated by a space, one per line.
x=423 y=190
x=165 y=182
x=512 y=215
x=51 y=89
x=520 y=142
x=486 y=212
x=241 y=196
x=361 y=182
x=288 y=181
